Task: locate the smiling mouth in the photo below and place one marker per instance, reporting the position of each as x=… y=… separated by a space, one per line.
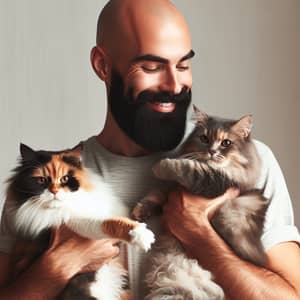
x=164 y=107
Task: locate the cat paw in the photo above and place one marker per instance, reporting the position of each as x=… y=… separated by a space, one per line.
x=139 y=213
x=142 y=237
x=144 y=211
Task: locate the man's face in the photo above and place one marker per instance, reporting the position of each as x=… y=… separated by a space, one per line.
x=149 y=79
x=150 y=98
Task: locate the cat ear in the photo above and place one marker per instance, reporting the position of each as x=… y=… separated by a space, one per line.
x=77 y=150
x=27 y=153
x=196 y=109
x=243 y=126
x=75 y=153
x=198 y=115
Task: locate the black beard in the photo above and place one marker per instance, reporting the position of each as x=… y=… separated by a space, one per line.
x=153 y=130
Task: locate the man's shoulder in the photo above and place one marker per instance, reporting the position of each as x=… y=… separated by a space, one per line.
x=88 y=142
x=271 y=176
x=264 y=151
x=93 y=154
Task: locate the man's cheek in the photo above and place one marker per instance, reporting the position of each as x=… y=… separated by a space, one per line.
x=141 y=82
x=186 y=78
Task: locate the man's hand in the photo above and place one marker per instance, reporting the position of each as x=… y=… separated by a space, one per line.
x=187 y=216
x=87 y=254
x=68 y=254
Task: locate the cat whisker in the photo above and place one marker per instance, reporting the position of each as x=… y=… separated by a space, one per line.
x=194 y=156
x=188 y=155
x=27 y=191
x=219 y=157
x=37 y=201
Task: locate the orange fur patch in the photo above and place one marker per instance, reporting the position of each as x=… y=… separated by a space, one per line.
x=57 y=168
x=119 y=228
x=126 y=295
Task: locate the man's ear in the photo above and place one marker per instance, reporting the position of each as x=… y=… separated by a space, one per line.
x=99 y=62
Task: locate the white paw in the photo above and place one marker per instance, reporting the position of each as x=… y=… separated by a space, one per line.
x=142 y=237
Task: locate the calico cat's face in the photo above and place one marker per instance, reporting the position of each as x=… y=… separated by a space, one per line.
x=49 y=177
x=216 y=140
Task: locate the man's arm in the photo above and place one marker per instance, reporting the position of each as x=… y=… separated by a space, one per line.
x=187 y=217
x=68 y=255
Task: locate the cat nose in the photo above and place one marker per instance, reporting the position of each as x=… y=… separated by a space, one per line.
x=212 y=151
x=53 y=190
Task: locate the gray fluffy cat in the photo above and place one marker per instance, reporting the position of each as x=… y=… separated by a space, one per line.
x=217 y=155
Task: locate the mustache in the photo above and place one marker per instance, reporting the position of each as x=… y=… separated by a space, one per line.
x=163 y=97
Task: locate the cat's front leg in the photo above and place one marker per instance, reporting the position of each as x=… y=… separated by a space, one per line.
x=181 y=170
x=121 y=228
x=174 y=169
x=130 y=231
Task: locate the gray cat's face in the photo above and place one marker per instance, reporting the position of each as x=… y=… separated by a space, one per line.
x=210 y=144
x=218 y=140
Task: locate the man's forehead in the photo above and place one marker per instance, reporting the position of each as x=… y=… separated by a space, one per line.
x=166 y=40
x=141 y=33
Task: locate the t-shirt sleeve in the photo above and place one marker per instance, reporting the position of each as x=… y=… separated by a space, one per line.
x=279 y=224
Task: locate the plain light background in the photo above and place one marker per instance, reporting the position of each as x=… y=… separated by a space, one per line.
x=247 y=61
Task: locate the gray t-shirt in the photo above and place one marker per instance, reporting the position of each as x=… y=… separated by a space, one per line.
x=131 y=179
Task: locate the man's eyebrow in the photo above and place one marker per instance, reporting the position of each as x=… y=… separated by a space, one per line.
x=188 y=56
x=150 y=57
x=155 y=58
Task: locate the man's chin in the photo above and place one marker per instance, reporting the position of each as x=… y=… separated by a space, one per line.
x=159 y=139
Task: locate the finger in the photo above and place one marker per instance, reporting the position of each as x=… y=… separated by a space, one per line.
x=175 y=200
x=116 y=242
x=232 y=193
x=174 y=195
x=58 y=235
x=216 y=203
x=112 y=242
x=214 y=206
x=113 y=251
x=54 y=236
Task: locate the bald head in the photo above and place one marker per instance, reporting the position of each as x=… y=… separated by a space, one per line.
x=125 y=26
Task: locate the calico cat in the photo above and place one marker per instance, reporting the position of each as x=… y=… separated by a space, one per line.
x=217 y=155
x=49 y=189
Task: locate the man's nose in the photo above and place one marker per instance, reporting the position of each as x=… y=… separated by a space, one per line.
x=171 y=83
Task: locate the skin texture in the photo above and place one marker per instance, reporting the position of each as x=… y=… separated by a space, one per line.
x=152 y=27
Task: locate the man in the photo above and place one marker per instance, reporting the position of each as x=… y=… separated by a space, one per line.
x=143 y=55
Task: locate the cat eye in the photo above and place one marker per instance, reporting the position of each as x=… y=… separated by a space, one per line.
x=226 y=143
x=41 y=180
x=204 y=139
x=64 y=179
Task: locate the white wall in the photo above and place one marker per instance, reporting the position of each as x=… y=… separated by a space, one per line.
x=247 y=62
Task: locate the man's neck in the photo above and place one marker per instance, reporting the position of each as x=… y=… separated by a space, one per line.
x=116 y=141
